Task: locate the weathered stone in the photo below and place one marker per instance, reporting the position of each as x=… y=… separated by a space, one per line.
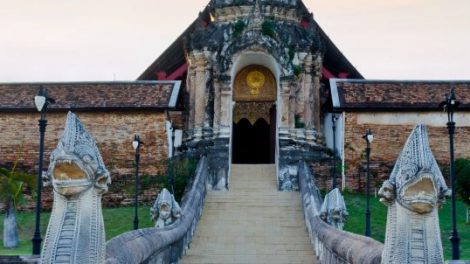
x=333 y=210
x=10 y=228
x=79 y=178
x=165 y=210
x=414 y=193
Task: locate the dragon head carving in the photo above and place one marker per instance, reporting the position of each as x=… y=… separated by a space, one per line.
x=416 y=181
x=76 y=164
x=165 y=210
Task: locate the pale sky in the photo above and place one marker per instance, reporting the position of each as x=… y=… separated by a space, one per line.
x=101 y=40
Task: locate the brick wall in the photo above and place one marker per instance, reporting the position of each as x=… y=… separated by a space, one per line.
x=113 y=132
x=388 y=141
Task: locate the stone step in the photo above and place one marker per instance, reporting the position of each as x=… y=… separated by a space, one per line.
x=251 y=223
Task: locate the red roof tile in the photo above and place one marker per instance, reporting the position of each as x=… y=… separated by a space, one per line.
x=396 y=95
x=92 y=95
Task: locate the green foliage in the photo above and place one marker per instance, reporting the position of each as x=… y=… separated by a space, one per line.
x=298 y=122
x=183 y=169
x=116 y=222
x=298 y=69
x=238 y=28
x=13 y=182
x=462 y=172
x=152 y=181
x=268 y=28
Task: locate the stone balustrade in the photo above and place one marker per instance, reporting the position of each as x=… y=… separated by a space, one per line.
x=168 y=244
x=332 y=245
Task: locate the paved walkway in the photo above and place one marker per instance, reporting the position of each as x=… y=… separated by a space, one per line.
x=251 y=223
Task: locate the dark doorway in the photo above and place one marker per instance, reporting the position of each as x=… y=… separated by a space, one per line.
x=251 y=144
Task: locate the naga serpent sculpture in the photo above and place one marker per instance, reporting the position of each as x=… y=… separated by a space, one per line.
x=79 y=178
x=413 y=194
x=165 y=210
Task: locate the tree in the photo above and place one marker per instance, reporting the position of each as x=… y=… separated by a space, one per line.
x=462 y=171
x=12 y=184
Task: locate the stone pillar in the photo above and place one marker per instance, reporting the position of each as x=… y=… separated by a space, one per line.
x=200 y=96
x=293 y=88
x=308 y=100
x=284 y=108
x=217 y=106
x=317 y=64
x=191 y=93
x=225 y=108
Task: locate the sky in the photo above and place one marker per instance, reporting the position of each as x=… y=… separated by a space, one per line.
x=103 y=40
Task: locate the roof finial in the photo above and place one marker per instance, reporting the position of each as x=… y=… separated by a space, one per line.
x=256 y=19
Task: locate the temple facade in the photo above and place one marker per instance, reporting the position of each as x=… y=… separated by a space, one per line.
x=255 y=85
x=263 y=81
x=248 y=82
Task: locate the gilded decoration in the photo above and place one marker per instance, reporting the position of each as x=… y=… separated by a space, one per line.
x=254 y=83
x=252 y=111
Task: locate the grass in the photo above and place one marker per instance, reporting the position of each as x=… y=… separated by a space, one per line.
x=120 y=220
x=356 y=222
x=117 y=221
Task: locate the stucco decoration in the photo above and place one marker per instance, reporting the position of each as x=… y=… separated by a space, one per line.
x=252 y=111
x=288 y=178
x=413 y=194
x=79 y=178
x=165 y=210
x=333 y=210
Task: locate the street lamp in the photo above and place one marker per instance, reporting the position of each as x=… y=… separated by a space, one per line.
x=172 y=162
x=334 y=118
x=450 y=104
x=136 y=145
x=368 y=137
x=41 y=100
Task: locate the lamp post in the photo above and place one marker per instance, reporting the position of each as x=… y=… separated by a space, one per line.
x=450 y=104
x=172 y=164
x=334 y=118
x=368 y=137
x=136 y=145
x=41 y=101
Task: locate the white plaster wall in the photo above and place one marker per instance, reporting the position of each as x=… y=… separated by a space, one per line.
x=328 y=132
x=432 y=119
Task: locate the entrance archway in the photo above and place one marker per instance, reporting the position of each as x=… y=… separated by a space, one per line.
x=254 y=116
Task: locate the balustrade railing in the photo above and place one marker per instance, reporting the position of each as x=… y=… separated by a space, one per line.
x=168 y=244
x=331 y=245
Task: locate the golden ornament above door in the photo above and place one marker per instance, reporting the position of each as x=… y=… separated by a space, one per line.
x=254 y=83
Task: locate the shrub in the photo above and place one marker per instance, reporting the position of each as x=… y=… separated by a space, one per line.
x=462 y=172
x=183 y=169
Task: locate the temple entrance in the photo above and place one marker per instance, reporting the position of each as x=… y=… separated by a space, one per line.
x=254 y=116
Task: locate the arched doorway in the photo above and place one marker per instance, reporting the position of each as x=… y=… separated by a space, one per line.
x=254 y=116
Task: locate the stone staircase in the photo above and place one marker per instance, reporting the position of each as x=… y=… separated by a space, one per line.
x=251 y=223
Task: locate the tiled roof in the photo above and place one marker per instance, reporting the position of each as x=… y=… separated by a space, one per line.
x=92 y=95
x=396 y=95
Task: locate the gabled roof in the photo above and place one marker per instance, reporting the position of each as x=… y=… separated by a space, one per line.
x=173 y=57
x=397 y=95
x=92 y=96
